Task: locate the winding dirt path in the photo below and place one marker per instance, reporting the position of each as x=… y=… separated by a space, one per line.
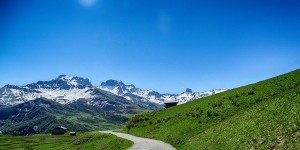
x=142 y=143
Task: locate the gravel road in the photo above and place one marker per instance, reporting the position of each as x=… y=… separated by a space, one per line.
x=142 y=143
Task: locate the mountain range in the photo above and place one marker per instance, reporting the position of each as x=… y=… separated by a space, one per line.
x=76 y=103
x=133 y=93
x=67 y=89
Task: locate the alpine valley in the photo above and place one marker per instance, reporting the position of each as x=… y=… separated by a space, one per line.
x=75 y=103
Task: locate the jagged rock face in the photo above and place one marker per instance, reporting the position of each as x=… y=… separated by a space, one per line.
x=112 y=83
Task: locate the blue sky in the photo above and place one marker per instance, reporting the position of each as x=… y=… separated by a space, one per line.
x=156 y=44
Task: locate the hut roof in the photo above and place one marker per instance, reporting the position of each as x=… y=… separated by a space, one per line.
x=61 y=127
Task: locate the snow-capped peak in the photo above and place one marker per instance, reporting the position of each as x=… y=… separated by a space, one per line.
x=70 y=80
x=65 y=77
x=114 y=86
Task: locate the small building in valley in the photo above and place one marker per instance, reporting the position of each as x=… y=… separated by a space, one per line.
x=73 y=133
x=59 y=130
x=170 y=104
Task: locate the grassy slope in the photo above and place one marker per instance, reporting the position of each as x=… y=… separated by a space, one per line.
x=86 y=141
x=264 y=115
x=93 y=122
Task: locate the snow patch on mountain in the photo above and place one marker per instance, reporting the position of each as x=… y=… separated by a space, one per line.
x=17 y=96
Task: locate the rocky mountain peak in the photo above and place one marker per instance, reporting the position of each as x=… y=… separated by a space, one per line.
x=188 y=90
x=112 y=83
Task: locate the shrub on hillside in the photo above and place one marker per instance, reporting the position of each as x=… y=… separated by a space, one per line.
x=251 y=93
x=234 y=103
x=211 y=113
x=218 y=104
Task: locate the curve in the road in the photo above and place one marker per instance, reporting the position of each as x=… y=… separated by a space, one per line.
x=142 y=143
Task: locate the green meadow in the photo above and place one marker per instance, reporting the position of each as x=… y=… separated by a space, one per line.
x=83 y=141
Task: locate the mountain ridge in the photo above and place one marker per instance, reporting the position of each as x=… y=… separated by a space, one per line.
x=130 y=91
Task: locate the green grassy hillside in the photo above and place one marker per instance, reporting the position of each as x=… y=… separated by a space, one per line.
x=264 y=115
x=86 y=141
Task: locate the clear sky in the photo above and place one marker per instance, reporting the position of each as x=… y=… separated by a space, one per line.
x=165 y=45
